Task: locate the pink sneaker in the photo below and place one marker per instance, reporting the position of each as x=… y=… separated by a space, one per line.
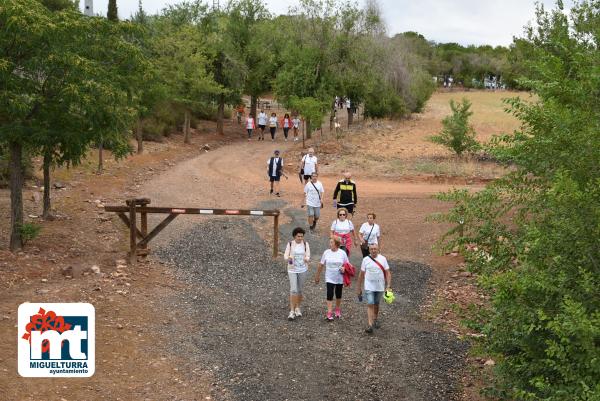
x=329 y=316
x=338 y=313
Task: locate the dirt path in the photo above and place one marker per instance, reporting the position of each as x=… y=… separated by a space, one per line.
x=235 y=300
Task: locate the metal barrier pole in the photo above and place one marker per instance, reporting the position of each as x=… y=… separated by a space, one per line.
x=275 y=235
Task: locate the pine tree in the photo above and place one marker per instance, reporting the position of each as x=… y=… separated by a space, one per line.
x=112 y=13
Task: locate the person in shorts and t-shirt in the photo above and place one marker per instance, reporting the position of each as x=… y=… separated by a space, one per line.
x=262 y=123
x=369 y=234
x=296 y=126
x=308 y=165
x=313 y=192
x=275 y=171
x=375 y=283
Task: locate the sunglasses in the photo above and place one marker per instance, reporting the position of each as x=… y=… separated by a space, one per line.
x=342 y=214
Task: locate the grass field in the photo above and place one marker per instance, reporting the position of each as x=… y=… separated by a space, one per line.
x=402 y=148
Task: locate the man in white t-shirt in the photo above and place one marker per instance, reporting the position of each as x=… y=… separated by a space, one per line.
x=308 y=165
x=375 y=283
x=313 y=192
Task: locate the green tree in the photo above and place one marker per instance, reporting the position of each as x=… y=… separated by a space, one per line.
x=255 y=42
x=183 y=59
x=537 y=230
x=60 y=93
x=457 y=134
x=112 y=14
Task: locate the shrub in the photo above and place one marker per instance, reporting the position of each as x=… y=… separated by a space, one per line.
x=384 y=104
x=457 y=134
x=29 y=231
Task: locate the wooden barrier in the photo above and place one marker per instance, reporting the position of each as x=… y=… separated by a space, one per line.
x=129 y=212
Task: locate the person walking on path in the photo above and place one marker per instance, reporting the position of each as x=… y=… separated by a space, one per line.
x=275 y=171
x=286 y=123
x=262 y=123
x=250 y=126
x=344 y=195
x=343 y=228
x=333 y=260
x=313 y=200
x=297 y=256
x=296 y=126
x=308 y=165
x=369 y=234
x=376 y=277
x=273 y=125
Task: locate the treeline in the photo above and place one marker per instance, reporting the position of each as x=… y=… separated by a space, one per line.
x=469 y=66
x=534 y=235
x=70 y=82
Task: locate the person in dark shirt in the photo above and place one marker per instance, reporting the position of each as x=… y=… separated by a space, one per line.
x=345 y=195
x=275 y=171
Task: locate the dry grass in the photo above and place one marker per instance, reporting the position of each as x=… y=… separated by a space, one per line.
x=402 y=148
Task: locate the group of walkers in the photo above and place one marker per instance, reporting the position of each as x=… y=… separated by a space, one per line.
x=273 y=123
x=374 y=279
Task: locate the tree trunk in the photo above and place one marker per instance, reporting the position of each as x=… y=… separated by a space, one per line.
x=139 y=134
x=308 y=129
x=47 y=161
x=100 y=157
x=16 y=196
x=253 y=105
x=186 y=127
x=221 y=114
x=350 y=116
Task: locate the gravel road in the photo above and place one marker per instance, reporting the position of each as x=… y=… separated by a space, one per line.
x=236 y=324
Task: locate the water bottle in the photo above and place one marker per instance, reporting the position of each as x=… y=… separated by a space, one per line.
x=360 y=298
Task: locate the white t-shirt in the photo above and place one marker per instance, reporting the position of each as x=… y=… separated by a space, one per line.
x=286 y=123
x=333 y=261
x=296 y=122
x=272 y=121
x=273 y=172
x=310 y=163
x=300 y=251
x=312 y=194
x=374 y=278
x=365 y=229
x=262 y=118
x=249 y=123
x=342 y=227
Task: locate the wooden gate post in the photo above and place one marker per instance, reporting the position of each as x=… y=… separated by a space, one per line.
x=132 y=232
x=143 y=224
x=275 y=235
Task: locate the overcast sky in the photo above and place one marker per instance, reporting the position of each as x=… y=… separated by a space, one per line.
x=493 y=22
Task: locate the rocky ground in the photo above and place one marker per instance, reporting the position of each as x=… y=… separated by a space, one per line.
x=235 y=306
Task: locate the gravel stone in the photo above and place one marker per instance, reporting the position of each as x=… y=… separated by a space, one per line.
x=234 y=315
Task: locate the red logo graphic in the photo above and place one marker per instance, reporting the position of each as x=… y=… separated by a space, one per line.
x=44 y=321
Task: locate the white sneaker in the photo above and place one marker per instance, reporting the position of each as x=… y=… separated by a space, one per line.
x=291 y=316
x=297 y=312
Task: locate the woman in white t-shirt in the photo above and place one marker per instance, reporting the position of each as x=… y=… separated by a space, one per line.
x=296 y=126
x=297 y=255
x=250 y=126
x=286 y=124
x=273 y=125
x=262 y=123
x=333 y=261
x=344 y=229
x=369 y=234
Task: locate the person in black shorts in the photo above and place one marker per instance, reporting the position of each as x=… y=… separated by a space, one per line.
x=275 y=171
